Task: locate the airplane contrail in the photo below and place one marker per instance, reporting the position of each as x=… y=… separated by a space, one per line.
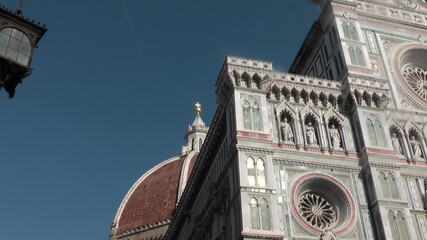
x=135 y=37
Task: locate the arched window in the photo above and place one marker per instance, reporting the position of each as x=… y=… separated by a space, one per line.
x=388 y=185
x=375 y=133
x=253 y=205
x=247 y=115
x=350 y=31
x=250 y=163
x=393 y=225
x=403 y=231
x=353 y=32
x=251 y=116
x=353 y=57
x=346 y=30
x=256 y=116
x=384 y=185
x=360 y=57
x=260 y=214
x=392 y=186
x=265 y=214
x=15 y=45
x=260 y=172
x=379 y=133
x=356 y=56
x=371 y=132
x=256 y=172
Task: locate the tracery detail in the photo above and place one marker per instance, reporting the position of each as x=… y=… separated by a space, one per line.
x=316 y=210
x=417 y=79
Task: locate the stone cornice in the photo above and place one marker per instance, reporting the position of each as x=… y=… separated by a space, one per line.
x=385 y=165
x=144 y=228
x=392 y=16
x=317 y=164
x=254 y=149
x=414 y=175
x=369 y=85
x=267 y=235
x=260 y=190
x=303 y=82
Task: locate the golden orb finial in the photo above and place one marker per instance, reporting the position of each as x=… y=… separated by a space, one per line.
x=198 y=109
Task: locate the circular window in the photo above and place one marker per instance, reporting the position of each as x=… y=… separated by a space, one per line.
x=320 y=202
x=316 y=210
x=412 y=66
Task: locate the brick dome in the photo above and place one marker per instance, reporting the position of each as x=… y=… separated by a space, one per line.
x=148 y=207
x=152 y=199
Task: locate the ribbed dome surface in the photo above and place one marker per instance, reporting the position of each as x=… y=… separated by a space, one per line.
x=154 y=196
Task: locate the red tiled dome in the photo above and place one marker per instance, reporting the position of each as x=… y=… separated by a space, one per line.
x=154 y=196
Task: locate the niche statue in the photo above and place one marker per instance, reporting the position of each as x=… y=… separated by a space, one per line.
x=416 y=148
x=287 y=134
x=396 y=144
x=335 y=137
x=310 y=133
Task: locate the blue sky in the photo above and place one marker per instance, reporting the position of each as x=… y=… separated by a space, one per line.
x=111 y=95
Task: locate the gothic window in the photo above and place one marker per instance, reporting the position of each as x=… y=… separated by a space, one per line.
x=392 y=186
x=353 y=57
x=251 y=116
x=250 y=163
x=356 y=56
x=375 y=133
x=393 y=225
x=15 y=45
x=379 y=133
x=403 y=231
x=388 y=186
x=260 y=172
x=265 y=214
x=350 y=31
x=346 y=30
x=260 y=214
x=256 y=172
x=398 y=227
x=247 y=115
x=256 y=116
x=353 y=32
x=360 y=57
x=384 y=185
x=255 y=224
x=371 y=132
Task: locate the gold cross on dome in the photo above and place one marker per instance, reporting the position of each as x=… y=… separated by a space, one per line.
x=198 y=109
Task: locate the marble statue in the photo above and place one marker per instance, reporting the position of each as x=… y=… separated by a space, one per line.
x=287 y=134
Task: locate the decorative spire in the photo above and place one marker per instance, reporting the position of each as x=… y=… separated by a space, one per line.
x=21 y=4
x=198 y=108
x=196 y=132
x=198 y=122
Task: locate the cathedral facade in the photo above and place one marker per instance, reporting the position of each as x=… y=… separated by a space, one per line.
x=333 y=149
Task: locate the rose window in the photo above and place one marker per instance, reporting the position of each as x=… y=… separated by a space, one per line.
x=411 y=67
x=321 y=202
x=316 y=210
x=417 y=79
